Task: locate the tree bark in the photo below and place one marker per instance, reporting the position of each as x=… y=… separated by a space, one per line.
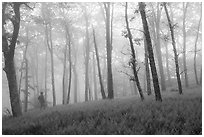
x=94 y=79
x=150 y=52
x=184 y=44
x=109 y=52
x=148 y=81
x=99 y=68
x=195 y=49
x=133 y=59
x=174 y=49
x=9 y=51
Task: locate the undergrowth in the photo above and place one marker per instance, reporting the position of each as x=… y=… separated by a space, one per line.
x=175 y=115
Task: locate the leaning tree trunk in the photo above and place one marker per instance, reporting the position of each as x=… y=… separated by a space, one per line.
x=174 y=49
x=184 y=44
x=133 y=59
x=148 y=81
x=150 y=52
x=9 y=51
x=99 y=68
x=195 y=50
x=109 y=52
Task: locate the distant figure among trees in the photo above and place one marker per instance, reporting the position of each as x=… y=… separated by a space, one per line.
x=41 y=99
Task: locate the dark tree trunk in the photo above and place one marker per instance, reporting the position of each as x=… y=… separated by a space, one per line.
x=184 y=44
x=150 y=52
x=109 y=52
x=195 y=50
x=9 y=51
x=148 y=81
x=133 y=59
x=94 y=78
x=174 y=49
x=99 y=68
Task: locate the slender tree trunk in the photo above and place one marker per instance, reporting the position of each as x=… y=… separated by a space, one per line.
x=99 y=69
x=86 y=56
x=200 y=75
x=109 y=52
x=50 y=47
x=64 y=74
x=94 y=78
x=184 y=44
x=70 y=66
x=26 y=86
x=167 y=62
x=174 y=49
x=158 y=48
x=75 y=74
x=195 y=49
x=46 y=76
x=9 y=51
x=133 y=59
x=148 y=81
x=150 y=52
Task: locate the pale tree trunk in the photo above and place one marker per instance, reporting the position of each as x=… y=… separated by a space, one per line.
x=99 y=68
x=167 y=62
x=133 y=58
x=94 y=79
x=158 y=47
x=148 y=81
x=26 y=86
x=50 y=47
x=46 y=76
x=174 y=49
x=184 y=44
x=195 y=49
x=64 y=89
x=9 y=51
x=75 y=75
x=200 y=75
x=109 y=52
x=86 y=56
x=70 y=64
x=150 y=52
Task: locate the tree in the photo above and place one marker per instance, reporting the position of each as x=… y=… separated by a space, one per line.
x=148 y=81
x=157 y=18
x=9 y=49
x=184 y=43
x=94 y=78
x=195 y=49
x=99 y=68
x=133 y=59
x=150 y=52
x=174 y=49
x=109 y=51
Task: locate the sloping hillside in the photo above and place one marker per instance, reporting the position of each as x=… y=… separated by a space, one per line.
x=177 y=114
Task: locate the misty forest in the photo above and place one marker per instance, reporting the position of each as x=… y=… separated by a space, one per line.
x=102 y=68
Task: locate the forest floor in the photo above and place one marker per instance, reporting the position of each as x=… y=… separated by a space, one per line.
x=177 y=114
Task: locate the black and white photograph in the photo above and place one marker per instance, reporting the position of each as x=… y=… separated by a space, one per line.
x=101 y=68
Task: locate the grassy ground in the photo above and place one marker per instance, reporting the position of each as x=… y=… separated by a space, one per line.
x=177 y=114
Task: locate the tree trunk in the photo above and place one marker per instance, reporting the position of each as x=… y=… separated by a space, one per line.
x=64 y=89
x=70 y=66
x=184 y=44
x=50 y=47
x=46 y=76
x=195 y=50
x=167 y=61
x=75 y=74
x=148 y=81
x=133 y=59
x=109 y=52
x=99 y=68
x=150 y=52
x=200 y=75
x=26 y=86
x=174 y=49
x=9 y=51
x=94 y=78
x=158 y=48
x=86 y=57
